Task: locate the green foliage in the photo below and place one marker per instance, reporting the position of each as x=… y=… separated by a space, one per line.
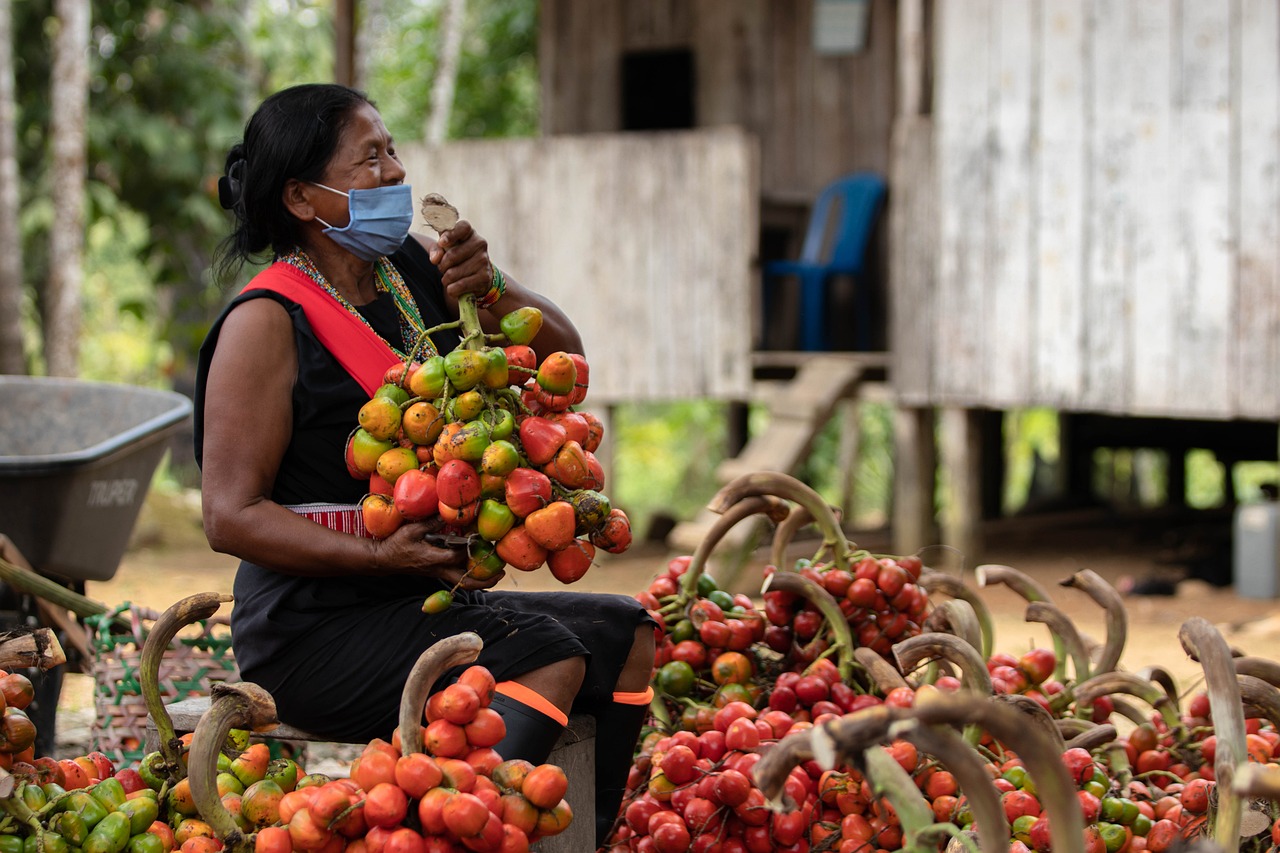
x=665 y=459
x=497 y=85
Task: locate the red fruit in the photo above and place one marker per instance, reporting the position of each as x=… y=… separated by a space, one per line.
x=541 y=438
x=381 y=518
x=614 y=535
x=464 y=814
x=1195 y=796
x=595 y=432
x=552 y=526
x=415 y=495
x=519 y=550
x=569 y=467
x=385 y=805
x=527 y=490
x=1038 y=665
x=458 y=484
x=1079 y=764
x=545 y=786
x=575 y=425
x=557 y=374
x=570 y=564
x=582 y=380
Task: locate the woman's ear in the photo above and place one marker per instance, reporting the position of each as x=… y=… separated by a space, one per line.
x=296 y=200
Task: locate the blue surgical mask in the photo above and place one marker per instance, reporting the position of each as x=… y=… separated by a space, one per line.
x=380 y=220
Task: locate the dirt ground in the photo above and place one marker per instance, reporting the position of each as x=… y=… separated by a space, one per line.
x=170 y=560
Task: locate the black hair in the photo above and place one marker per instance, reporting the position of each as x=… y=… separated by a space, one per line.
x=293 y=134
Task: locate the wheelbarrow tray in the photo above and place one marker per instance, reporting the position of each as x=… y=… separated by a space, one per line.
x=76 y=460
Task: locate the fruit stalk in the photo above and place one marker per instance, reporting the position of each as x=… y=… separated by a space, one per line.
x=431 y=664
x=788 y=487
x=882 y=673
x=1201 y=639
x=1025 y=586
x=944 y=583
x=956 y=617
x=1106 y=597
x=1111 y=682
x=826 y=603
x=245 y=706
x=1063 y=631
x=1261 y=695
x=193 y=608
x=739 y=510
x=969 y=769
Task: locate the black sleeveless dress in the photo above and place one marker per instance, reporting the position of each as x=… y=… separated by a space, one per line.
x=335 y=652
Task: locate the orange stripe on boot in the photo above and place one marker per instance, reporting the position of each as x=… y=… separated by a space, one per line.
x=535 y=700
x=633 y=698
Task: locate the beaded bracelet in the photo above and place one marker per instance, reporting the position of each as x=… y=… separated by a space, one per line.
x=496 y=290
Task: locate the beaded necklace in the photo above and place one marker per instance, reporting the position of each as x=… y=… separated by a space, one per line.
x=387 y=279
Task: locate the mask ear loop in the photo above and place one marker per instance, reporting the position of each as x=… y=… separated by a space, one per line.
x=231 y=187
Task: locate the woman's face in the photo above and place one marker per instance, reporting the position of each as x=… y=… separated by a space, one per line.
x=365 y=158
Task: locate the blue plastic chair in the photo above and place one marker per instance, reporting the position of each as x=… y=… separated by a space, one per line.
x=835 y=243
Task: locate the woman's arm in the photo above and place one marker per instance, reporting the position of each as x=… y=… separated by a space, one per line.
x=462 y=256
x=247 y=426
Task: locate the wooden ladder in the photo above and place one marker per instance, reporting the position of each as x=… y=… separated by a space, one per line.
x=799 y=408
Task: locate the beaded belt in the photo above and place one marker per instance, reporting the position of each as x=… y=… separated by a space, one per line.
x=344 y=518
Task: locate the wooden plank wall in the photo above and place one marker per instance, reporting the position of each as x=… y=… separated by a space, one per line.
x=645 y=240
x=1108 y=180
x=817 y=117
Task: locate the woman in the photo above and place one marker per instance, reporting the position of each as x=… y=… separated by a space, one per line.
x=329 y=622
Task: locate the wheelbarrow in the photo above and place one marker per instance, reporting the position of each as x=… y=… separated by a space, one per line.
x=76 y=460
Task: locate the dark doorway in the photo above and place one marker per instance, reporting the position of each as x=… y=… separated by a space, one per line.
x=657 y=90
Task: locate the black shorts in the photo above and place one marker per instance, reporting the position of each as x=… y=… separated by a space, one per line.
x=343 y=674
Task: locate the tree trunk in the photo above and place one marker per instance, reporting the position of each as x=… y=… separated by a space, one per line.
x=452 y=22
x=69 y=96
x=12 y=358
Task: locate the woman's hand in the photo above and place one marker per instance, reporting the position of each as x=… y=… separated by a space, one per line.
x=462 y=257
x=407 y=552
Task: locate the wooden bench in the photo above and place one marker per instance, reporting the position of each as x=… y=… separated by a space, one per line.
x=575 y=753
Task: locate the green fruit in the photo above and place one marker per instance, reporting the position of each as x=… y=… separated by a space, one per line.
x=494 y=520
x=45 y=842
x=10 y=844
x=521 y=325
x=111 y=835
x=393 y=392
x=89 y=809
x=465 y=368
x=142 y=812
x=721 y=598
x=109 y=792
x=34 y=796
x=284 y=772
x=428 y=381
x=676 y=678
x=501 y=423
x=151 y=770
x=437 y=602
x=70 y=826
x=706 y=583
x=145 y=843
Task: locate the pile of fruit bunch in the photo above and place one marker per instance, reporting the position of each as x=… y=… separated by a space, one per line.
x=17 y=731
x=489 y=442
x=87 y=804
x=708 y=652
x=879 y=597
x=797 y=655
x=442 y=790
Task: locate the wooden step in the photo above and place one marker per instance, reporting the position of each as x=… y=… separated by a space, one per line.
x=798 y=410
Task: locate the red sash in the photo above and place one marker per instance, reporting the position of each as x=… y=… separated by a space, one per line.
x=356 y=346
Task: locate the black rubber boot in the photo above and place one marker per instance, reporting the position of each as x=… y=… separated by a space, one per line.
x=617 y=730
x=530 y=733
